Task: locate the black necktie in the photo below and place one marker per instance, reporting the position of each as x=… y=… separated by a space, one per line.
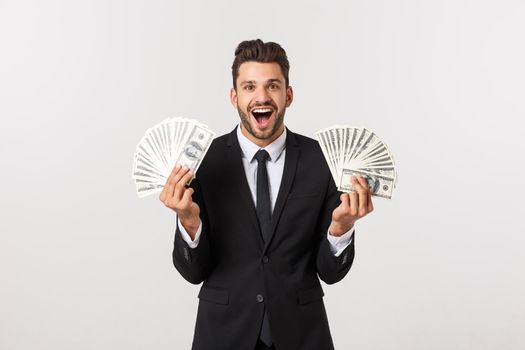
x=264 y=208
x=264 y=212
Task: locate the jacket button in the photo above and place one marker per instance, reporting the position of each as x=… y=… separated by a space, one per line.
x=260 y=298
x=265 y=259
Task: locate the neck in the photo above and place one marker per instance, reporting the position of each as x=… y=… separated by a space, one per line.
x=262 y=142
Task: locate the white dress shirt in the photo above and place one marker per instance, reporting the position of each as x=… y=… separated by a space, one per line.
x=275 y=166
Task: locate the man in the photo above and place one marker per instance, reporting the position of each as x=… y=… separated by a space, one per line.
x=263 y=221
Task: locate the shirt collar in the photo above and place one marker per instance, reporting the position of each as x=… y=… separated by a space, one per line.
x=274 y=149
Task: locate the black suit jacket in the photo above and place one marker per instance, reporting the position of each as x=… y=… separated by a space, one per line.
x=241 y=273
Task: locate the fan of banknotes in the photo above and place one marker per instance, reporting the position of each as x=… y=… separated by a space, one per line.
x=173 y=141
x=350 y=151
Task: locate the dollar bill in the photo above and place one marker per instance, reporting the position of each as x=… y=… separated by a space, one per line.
x=173 y=141
x=353 y=150
x=379 y=186
x=146 y=189
x=195 y=147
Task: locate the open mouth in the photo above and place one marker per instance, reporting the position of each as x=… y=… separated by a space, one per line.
x=262 y=115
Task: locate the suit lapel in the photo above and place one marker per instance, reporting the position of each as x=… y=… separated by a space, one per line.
x=290 y=167
x=238 y=176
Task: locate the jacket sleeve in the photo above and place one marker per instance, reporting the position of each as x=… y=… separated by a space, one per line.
x=194 y=264
x=331 y=268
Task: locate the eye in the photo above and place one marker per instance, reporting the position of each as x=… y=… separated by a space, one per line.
x=274 y=86
x=249 y=87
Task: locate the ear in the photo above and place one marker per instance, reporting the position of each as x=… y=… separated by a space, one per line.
x=233 y=97
x=289 y=96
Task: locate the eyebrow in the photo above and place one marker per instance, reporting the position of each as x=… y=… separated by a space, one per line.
x=247 y=82
x=274 y=81
x=253 y=82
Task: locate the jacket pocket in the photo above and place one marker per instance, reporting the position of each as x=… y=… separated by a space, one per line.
x=310 y=295
x=214 y=295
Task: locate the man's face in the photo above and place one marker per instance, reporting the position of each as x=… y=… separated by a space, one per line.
x=261 y=99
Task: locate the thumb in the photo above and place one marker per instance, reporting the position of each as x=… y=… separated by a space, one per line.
x=345 y=201
x=186 y=197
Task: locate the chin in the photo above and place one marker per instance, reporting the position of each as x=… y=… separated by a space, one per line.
x=262 y=123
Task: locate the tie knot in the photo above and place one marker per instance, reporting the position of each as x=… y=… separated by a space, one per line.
x=261 y=156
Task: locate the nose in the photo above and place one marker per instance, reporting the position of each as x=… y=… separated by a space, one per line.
x=261 y=95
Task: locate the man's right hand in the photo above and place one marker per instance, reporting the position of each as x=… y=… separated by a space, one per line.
x=177 y=196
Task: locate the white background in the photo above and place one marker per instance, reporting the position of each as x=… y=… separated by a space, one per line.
x=85 y=264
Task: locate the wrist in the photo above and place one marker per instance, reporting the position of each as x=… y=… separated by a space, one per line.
x=191 y=225
x=338 y=230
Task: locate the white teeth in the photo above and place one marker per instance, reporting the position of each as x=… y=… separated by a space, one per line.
x=262 y=110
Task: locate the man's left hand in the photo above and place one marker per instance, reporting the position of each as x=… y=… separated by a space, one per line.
x=354 y=205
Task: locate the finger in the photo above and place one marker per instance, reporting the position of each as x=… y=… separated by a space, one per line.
x=343 y=208
x=180 y=186
x=362 y=181
x=345 y=201
x=352 y=181
x=167 y=186
x=175 y=190
x=362 y=189
x=359 y=189
x=356 y=185
x=354 y=203
x=363 y=204
x=173 y=172
x=361 y=186
x=186 y=199
x=370 y=204
x=177 y=173
x=167 y=191
x=162 y=195
x=187 y=178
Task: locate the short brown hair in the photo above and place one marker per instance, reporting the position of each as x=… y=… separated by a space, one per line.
x=259 y=51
